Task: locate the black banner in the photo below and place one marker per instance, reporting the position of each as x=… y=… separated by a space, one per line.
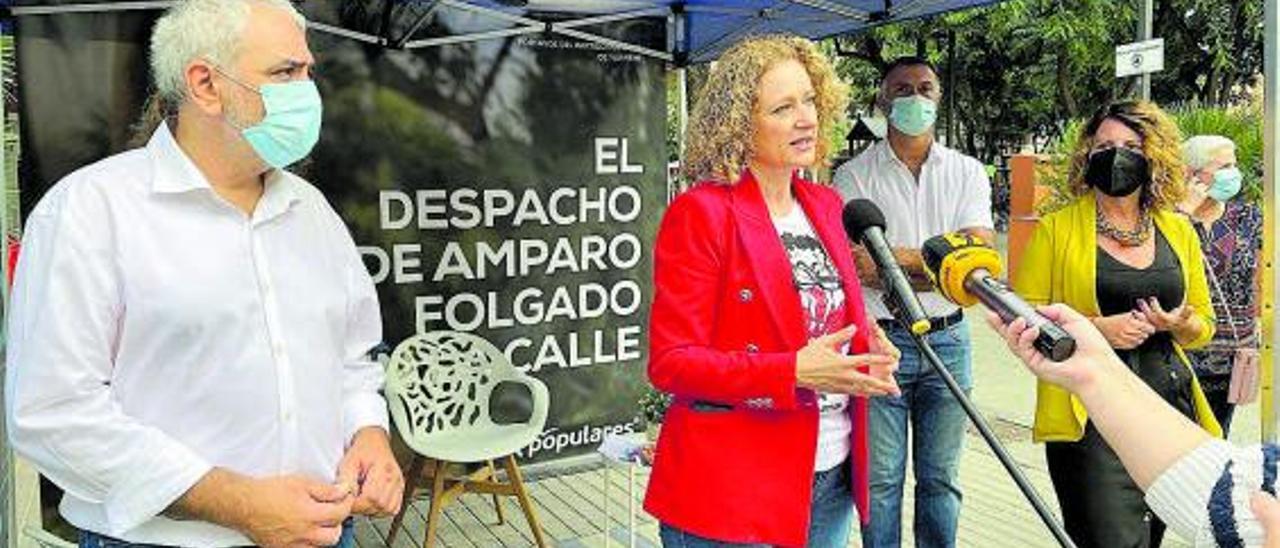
x=507 y=187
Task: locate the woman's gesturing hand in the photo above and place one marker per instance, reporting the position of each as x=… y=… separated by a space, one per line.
x=1171 y=320
x=821 y=366
x=1125 y=331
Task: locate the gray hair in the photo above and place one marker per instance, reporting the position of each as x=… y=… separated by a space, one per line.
x=1200 y=150
x=194 y=29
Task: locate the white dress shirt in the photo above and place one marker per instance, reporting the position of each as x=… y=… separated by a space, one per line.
x=157 y=331
x=953 y=193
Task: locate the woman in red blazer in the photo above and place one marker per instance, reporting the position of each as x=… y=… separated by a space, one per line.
x=757 y=325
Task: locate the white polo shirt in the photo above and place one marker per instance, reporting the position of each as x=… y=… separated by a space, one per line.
x=953 y=193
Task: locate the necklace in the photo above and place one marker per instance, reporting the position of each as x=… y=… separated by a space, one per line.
x=1126 y=238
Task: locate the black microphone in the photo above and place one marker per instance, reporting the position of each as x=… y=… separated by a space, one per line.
x=864 y=223
x=965 y=270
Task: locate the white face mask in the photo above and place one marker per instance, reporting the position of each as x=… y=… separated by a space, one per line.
x=913 y=115
x=291 y=126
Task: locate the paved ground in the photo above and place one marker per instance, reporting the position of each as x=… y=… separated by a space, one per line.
x=995 y=514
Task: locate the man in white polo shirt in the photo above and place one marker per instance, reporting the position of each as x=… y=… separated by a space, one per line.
x=924 y=189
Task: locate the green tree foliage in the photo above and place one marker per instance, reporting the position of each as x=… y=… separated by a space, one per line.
x=1014 y=73
x=1213 y=50
x=1011 y=72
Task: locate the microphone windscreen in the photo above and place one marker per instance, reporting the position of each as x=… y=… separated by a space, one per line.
x=950 y=258
x=859 y=215
x=936 y=249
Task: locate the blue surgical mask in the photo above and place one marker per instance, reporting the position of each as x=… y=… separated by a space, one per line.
x=1226 y=184
x=291 y=126
x=913 y=115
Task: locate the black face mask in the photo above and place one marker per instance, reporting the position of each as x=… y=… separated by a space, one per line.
x=1117 y=172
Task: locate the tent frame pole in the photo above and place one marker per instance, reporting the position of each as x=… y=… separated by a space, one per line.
x=530 y=25
x=1270 y=397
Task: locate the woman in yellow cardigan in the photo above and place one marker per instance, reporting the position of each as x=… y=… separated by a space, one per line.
x=1119 y=254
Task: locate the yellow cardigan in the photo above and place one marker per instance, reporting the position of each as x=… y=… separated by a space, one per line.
x=1059 y=265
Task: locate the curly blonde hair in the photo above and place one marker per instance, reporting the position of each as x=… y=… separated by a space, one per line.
x=721 y=121
x=1161 y=144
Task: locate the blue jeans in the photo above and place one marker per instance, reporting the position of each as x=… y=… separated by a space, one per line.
x=937 y=423
x=89 y=539
x=830 y=516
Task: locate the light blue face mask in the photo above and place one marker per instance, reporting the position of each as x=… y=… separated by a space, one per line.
x=913 y=115
x=1226 y=184
x=291 y=126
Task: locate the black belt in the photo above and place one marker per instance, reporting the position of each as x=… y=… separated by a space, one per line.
x=935 y=324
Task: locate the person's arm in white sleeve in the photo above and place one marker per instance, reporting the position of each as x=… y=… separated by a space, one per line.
x=63 y=328
x=362 y=375
x=1205 y=495
x=1199 y=485
x=368 y=465
x=975 y=205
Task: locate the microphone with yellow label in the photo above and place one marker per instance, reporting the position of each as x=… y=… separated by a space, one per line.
x=965 y=270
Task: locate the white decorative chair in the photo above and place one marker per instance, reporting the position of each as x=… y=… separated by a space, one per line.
x=438 y=386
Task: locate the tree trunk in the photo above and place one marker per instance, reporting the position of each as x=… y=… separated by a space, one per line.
x=479 y=99
x=969 y=141
x=872 y=51
x=1065 y=94
x=951 y=85
x=1240 y=45
x=1209 y=93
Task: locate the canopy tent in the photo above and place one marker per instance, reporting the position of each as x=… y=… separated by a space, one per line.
x=700 y=29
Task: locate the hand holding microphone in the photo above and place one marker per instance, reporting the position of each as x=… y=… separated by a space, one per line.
x=1092 y=363
x=965 y=270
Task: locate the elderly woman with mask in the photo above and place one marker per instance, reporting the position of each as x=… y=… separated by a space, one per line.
x=1230 y=230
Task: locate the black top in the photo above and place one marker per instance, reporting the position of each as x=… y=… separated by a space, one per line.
x=1119 y=288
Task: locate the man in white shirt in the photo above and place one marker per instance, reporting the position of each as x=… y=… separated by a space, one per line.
x=190 y=323
x=924 y=189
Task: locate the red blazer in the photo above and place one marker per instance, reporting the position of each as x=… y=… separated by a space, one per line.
x=735 y=456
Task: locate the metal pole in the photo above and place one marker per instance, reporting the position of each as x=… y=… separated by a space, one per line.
x=1270 y=171
x=1145 y=14
x=8 y=516
x=1028 y=491
x=631 y=505
x=674 y=186
x=683 y=75
x=605 y=529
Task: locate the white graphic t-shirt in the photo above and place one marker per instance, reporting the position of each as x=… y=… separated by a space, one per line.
x=822 y=298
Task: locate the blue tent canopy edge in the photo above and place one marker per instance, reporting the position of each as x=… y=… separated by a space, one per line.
x=700 y=29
